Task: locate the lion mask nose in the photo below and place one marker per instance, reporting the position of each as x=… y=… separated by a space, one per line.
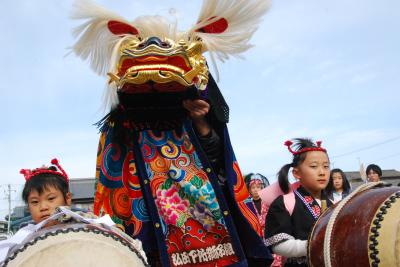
x=155 y=41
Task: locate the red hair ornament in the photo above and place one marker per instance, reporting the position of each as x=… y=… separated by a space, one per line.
x=28 y=174
x=289 y=143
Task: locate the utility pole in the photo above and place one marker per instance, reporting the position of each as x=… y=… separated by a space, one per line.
x=9 y=209
x=8 y=193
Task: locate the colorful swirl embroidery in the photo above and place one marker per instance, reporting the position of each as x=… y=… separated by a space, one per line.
x=121 y=203
x=170 y=150
x=139 y=209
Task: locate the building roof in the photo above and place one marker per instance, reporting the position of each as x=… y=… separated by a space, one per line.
x=83 y=188
x=386 y=174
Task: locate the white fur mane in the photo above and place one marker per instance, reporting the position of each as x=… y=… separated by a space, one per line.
x=98 y=45
x=243 y=18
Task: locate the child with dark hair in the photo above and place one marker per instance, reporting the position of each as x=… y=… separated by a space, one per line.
x=46 y=192
x=374 y=173
x=256 y=182
x=338 y=186
x=286 y=229
x=45 y=189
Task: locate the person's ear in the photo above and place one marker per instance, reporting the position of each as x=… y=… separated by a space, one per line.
x=296 y=173
x=68 y=198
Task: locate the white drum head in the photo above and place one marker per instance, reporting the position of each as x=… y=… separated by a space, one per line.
x=74 y=247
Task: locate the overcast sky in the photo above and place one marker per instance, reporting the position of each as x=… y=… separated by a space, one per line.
x=329 y=70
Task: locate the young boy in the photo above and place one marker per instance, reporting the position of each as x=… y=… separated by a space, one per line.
x=46 y=192
x=45 y=189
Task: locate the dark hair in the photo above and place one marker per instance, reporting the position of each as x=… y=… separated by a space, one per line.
x=44 y=180
x=375 y=168
x=346 y=185
x=283 y=178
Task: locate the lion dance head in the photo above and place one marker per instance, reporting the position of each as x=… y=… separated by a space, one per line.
x=149 y=54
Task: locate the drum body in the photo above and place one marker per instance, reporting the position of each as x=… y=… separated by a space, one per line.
x=362 y=231
x=72 y=245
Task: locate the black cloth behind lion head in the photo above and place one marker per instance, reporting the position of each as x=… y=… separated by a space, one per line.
x=161 y=111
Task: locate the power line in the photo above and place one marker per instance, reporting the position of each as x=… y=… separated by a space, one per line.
x=367 y=147
x=387 y=157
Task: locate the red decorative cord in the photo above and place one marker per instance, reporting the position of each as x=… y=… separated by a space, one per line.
x=289 y=143
x=28 y=174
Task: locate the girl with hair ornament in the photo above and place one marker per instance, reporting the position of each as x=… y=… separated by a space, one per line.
x=255 y=183
x=287 y=229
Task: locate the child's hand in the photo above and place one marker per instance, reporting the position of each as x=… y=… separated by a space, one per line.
x=198 y=109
